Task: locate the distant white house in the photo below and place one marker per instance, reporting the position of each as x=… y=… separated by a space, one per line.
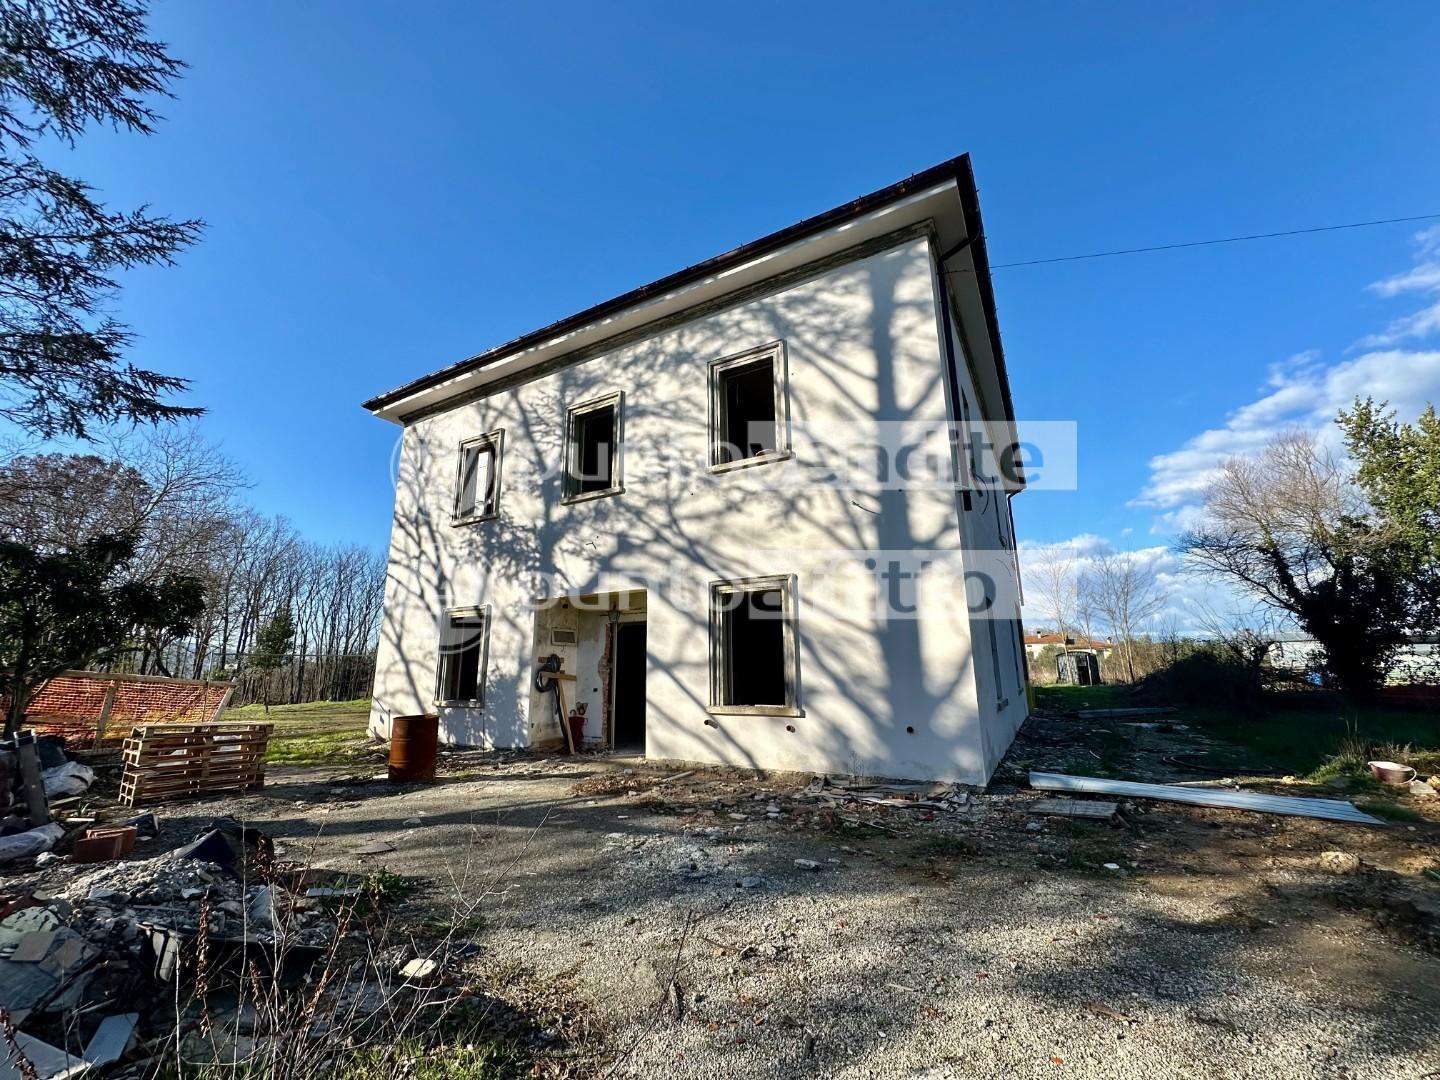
x=1417 y=662
x=644 y=492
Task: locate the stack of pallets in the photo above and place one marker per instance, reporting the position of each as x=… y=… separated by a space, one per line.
x=178 y=761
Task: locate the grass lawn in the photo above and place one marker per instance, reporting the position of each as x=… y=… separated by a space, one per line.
x=1320 y=743
x=313 y=733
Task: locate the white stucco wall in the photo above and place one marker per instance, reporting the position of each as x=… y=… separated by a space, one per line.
x=895 y=698
x=996 y=633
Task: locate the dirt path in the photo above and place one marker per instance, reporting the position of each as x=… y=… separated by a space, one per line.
x=977 y=944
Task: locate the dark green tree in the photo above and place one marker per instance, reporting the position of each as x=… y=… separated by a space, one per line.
x=1398 y=468
x=64 y=65
x=272 y=649
x=77 y=608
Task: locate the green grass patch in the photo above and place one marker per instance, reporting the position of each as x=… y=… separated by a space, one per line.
x=1073 y=698
x=1326 y=743
x=1390 y=811
x=1320 y=743
x=314 y=732
x=468 y=1056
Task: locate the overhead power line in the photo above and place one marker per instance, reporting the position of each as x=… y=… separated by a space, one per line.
x=1209 y=243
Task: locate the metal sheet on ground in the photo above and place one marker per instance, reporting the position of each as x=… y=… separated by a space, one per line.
x=1328 y=809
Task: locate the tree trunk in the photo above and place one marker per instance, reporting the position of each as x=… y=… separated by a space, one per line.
x=15 y=711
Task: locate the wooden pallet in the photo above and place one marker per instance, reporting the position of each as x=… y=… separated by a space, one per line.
x=164 y=762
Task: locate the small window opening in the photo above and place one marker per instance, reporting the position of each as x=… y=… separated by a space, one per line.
x=748 y=405
x=755 y=633
x=754 y=645
x=593 y=456
x=478 y=492
x=462 y=657
x=747 y=414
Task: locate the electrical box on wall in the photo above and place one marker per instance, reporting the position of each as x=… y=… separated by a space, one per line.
x=562 y=636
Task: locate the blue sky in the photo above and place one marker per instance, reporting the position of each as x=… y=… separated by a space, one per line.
x=392 y=187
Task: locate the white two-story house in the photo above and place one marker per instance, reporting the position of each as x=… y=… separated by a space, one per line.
x=699 y=502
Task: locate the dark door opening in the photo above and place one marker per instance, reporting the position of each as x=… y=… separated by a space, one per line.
x=629 y=716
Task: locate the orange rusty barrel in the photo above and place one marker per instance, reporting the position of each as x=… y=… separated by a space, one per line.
x=413 y=741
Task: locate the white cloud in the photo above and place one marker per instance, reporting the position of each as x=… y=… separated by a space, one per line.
x=1423 y=277
x=1304 y=392
x=1306 y=395
x=1189 y=596
x=1419 y=324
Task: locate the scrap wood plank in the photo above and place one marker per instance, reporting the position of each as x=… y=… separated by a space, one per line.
x=1100 y=811
x=1328 y=809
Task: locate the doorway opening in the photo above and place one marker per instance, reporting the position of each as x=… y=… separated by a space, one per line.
x=628 y=717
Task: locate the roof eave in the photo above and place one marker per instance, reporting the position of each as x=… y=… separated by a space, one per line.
x=392 y=405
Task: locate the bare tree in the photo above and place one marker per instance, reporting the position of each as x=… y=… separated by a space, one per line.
x=1294 y=531
x=168 y=487
x=177 y=496
x=1127 y=595
x=1055 y=584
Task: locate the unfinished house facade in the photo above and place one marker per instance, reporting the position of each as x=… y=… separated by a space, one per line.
x=673 y=501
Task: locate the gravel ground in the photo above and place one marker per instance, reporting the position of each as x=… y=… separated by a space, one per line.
x=973 y=945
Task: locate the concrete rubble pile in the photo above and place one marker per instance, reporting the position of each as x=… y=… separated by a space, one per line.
x=926 y=799
x=97 y=940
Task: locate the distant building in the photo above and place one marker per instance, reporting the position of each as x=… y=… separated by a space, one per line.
x=1417 y=662
x=1068 y=660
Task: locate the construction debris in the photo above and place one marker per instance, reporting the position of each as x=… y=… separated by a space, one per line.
x=226 y=842
x=111 y=932
x=104 y=844
x=68 y=778
x=111 y=1039
x=1112 y=714
x=31 y=1057
x=22 y=785
x=419 y=969
x=1074 y=808
x=1329 y=809
x=921 y=795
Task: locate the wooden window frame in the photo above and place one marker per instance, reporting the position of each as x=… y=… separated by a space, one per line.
x=617 y=456
x=777 y=354
x=483 y=613
x=719 y=647
x=495 y=442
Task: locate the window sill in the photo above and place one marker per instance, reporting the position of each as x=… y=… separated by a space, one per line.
x=590 y=496
x=475 y=704
x=753 y=710
x=768 y=458
x=472 y=519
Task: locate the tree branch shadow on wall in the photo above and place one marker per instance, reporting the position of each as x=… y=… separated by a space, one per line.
x=630 y=535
